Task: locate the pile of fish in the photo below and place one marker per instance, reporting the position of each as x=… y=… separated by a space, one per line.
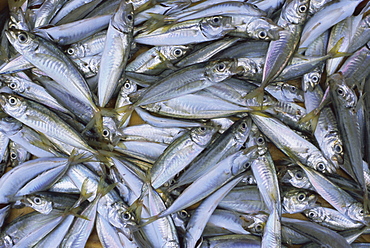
x=222 y=87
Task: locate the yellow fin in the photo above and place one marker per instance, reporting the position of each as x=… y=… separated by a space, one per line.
x=334 y=52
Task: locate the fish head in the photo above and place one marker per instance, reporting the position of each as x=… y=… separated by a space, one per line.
x=6 y=241
x=181 y=219
x=254 y=223
x=242 y=129
x=216 y=26
x=18 y=154
x=202 y=135
x=10 y=125
x=310 y=80
x=15 y=84
x=298 y=200
x=13 y=105
x=295 y=11
x=174 y=52
x=123 y=19
x=257 y=139
x=342 y=92
x=318 y=162
x=356 y=212
x=39 y=203
x=297 y=178
x=335 y=152
x=120 y=216
x=316 y=214
x=127 y=88
x=263 y=29
x=291 y=92
x=75 y=51
x=110 y=130
x=17 y=20
x=220 y=70
x=21 y=40
x=247 y=67
x=249 y=178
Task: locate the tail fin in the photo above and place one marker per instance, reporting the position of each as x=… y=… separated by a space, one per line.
x=257 y=93
x=126 y=111
x=334 y=52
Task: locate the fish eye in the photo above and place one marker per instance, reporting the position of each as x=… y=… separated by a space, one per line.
x=264 y=98
x=221 y=67
x=12 y=85
x=301 y=196
x=106 y=133
x=262 y=34
x=361 y=212
x=293 y=88
x=246 y=165
x=311 y=214
x=37 y=200
x=22 y=37
x=183 y=214
x=13 y=155
x=127 y=216
x=321 y=166
x=12 y=101
x=244 y=125
x=202 y=129
x=254 y=6
x=259 y=228
x=338 y=148
x=216 y=19
x=130 y=17
x=298 y=175
x=12 y=26
x=302 y=8
x=340 y=91
x=260 y=141
x=127 y=84
x=250 y=180
x=315 y=79
x=71 y=51
x=177 y=52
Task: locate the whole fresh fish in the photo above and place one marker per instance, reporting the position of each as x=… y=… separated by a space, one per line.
x=42 y=119
x=116 y=51
x=188 y=32
x=40 y=53
x=179 y=154
x=292 y=18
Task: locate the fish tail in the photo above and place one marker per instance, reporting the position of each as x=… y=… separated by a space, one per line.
x=149 y=220
x=76 y=158
x=136 y=207
x=74 y=211
x=126 y=111
x=310 y=116
x=102 y=189
x=257 y=93
x=334 y=52
x=96 y=121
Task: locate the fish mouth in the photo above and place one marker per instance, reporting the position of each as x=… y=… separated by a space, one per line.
x=287 y=176
x=10 y=34
x=312 y=199
x=2 y=100
x=337 y=158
